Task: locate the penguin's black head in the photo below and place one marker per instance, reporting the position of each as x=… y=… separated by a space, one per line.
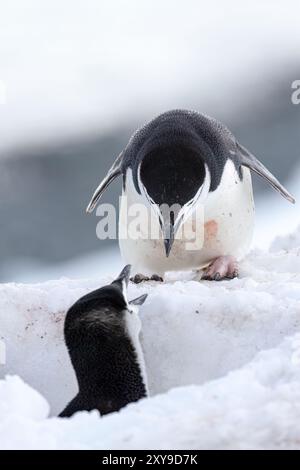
x=101 y=310
x=172 y=178
x=119 y=286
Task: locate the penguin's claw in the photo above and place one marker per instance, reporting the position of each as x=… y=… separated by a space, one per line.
x=224 y=267
x=138 y=278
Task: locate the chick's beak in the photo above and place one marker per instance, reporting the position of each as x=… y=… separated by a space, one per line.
x=124 y=275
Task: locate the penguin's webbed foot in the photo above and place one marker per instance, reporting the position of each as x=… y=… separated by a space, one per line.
x=224 y=267
x=138 y=278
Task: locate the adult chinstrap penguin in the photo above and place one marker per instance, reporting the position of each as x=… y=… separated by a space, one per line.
x=192 y=161
x=102 y=336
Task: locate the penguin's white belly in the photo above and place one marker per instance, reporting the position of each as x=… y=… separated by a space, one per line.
x=228 y=220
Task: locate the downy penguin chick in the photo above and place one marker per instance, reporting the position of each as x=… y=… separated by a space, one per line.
x=102 y=336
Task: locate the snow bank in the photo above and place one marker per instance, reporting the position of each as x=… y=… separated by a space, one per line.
x=287 y=243
x=257 y=407
x=200 y=339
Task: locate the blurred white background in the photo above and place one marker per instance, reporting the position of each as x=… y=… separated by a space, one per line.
x=81 y=75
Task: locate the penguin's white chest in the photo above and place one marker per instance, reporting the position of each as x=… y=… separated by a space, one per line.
x=133 y=329
x=226 y=216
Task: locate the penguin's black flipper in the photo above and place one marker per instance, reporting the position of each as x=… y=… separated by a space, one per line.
x=113 y=173
x=250 y=161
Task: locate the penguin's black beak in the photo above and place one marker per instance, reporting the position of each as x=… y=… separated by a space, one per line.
x=169 y=236
x=124 y=275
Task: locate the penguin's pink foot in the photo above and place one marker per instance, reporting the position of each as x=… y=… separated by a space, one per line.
x=224 y=267
x=138 y=278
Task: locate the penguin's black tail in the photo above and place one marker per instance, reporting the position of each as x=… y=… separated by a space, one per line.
x=73 y=407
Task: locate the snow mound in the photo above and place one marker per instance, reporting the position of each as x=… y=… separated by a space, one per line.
x=256 y=407
x=28 y=404
x=287 y=243
x=222 y=373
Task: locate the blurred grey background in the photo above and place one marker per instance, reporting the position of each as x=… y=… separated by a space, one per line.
x=80 y=76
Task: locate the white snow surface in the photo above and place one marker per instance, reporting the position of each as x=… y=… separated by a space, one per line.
x=223 y=363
